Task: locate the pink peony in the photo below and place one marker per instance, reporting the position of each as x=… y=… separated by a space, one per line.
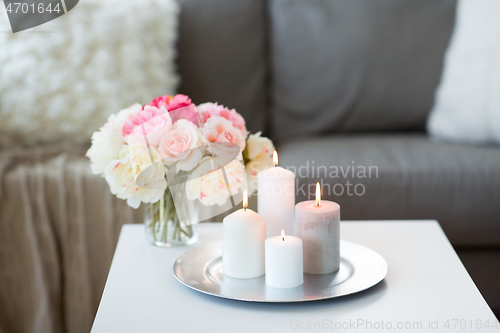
x=219 y=129
x=207 y=110
x=151 y=121
x=108 y=141
x=171 y=102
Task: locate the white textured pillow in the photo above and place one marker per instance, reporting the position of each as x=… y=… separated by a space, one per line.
x=61 y=80
x=467 y=107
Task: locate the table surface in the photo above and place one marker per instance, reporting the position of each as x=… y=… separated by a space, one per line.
x=426 y=289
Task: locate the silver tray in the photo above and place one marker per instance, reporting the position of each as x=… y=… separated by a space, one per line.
x=201 y=270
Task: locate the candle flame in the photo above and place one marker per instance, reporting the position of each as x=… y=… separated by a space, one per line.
x=275 y=158
x=318 y=194
x=245 y=200
x=283 y=235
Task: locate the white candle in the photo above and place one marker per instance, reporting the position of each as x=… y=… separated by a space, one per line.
x=244 y=233
x=276 y=198
x=317 y=223
x=284 y=263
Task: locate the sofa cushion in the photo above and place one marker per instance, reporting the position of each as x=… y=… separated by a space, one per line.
x=60 y=81
x=351 y=65
x=222 y=55
x=467 y=107
x=412 y=177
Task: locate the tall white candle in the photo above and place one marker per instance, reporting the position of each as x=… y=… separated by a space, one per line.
x=284 y=263
x=276 y=198
x=317 y=223
x=244 y=233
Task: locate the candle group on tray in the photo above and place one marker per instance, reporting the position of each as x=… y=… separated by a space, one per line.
x=302 y=238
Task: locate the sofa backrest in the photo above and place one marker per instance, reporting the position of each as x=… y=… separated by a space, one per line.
x=222 y=55
x=355 y=65
x=334 y=65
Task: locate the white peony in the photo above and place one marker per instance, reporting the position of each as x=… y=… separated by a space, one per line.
x=134 y=167
x=252 y=169
x=210 y=187
x=108 y=141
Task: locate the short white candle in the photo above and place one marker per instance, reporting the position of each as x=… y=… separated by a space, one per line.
x=317 y=223
x=284 y=262
x=244 y=233
x=276 y=198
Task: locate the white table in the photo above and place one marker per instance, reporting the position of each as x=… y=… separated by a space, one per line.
x=426 y=285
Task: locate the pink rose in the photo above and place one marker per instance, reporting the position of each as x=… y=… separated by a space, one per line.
x=207 y=110
x=171 y=102
x=180 y=145
x=219 y=129
x=150 y=122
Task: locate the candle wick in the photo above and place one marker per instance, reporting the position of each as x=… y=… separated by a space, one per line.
x=283 y=238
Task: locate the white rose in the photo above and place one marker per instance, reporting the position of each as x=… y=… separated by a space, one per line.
x=259 y=152
x=258 y=145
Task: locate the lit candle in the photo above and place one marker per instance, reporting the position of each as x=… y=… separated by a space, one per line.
x=244 y=233
x=284 y=263
x=317 y=223
x=276 y=198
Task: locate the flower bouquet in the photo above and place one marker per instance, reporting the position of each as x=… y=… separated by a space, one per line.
x=173 y=155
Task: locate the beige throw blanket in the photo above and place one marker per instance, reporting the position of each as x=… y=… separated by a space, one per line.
x=59 y=225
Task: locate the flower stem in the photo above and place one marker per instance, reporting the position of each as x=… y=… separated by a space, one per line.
x=164 y=215
x=165 y=221
x=176 y=225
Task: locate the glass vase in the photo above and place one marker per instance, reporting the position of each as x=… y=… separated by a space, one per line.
x=167 y=227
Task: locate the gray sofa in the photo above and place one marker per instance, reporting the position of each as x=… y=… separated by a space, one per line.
x=342 y=83
x=336 y=84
